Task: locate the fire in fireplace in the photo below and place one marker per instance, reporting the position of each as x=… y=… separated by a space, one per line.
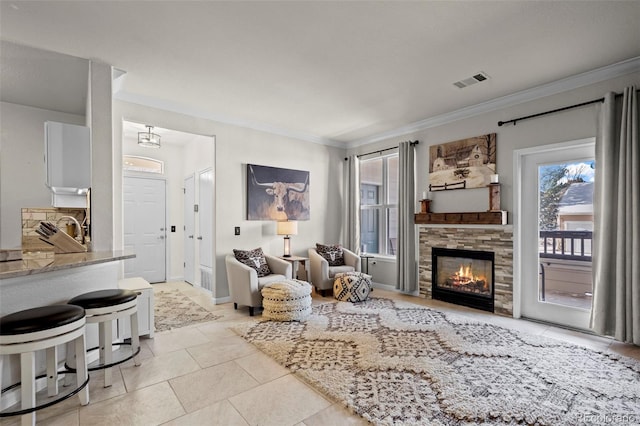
x=464 y=277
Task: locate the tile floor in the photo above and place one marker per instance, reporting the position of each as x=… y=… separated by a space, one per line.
x=205 y=374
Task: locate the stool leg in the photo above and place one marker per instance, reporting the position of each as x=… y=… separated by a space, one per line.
x=70 y=361
x=28 y=379
x=106 y=348
x=81 y=368
x=135 y=337
x=52 y=371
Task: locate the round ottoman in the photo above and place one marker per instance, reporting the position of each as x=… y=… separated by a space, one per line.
x=287 y=300
x=352 y=286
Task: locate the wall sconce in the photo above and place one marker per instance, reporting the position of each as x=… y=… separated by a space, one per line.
x=287 y=228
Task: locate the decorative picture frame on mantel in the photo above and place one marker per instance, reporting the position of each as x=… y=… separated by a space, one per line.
x=277 y=194
x=462 y=164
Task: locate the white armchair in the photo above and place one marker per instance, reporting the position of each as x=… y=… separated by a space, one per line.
x=322 y=275
x=244 y=284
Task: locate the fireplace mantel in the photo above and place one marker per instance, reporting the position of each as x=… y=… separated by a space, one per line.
x=472 y=218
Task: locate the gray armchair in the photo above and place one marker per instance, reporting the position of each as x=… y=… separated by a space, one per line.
x=322 y=275
x=244 y=284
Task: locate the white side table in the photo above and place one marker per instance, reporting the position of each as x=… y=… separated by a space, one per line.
x=296 y=261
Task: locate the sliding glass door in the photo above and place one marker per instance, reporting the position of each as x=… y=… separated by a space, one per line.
x=554 y=233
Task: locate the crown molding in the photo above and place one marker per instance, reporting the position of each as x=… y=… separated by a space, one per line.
x=563 y=85
x=195 y=112
x=569 y=83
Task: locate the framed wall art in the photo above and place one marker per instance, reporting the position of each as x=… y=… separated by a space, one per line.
x=277 y=194
x=467 y=163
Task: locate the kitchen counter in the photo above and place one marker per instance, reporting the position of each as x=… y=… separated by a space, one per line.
x=46 y=261
x=45 y=278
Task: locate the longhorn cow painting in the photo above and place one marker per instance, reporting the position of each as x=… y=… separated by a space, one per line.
x=277 y=194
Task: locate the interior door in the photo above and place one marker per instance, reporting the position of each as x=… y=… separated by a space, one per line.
x=205 y=229
x=205 y=237
x=564 y=297
x=189 y=231
x=145 y=227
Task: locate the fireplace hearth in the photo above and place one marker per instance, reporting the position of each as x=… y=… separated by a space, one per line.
x=464 y=277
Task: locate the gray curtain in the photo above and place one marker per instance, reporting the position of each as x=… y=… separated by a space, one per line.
x=405 y=254
x=616 y=238
x=352 y=203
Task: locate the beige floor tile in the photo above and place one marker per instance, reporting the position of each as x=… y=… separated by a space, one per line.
x=71 y=418
x=181 y=338
x=626 y=349
x=221 y=413
x=216 y=330
x=261 y=367
x=221 y=351
x=336 y=414
x=160 y=368
x=97 y=393
x=211 y=385
x=284 y=401
x=152 y=405
x=577 y=338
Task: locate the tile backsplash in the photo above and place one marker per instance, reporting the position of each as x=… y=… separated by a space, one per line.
x=31 y=218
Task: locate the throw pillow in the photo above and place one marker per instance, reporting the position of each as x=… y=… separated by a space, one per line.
x=255 y=259
x=333 y=253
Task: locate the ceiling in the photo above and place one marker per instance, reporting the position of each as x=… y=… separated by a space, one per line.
x=339 y=73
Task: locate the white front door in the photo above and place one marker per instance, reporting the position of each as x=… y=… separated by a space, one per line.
x=189 y=231
x=145 y=227
x=552 y=232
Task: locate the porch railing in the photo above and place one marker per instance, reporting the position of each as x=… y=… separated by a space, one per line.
x=566 y=245
x=569 y=245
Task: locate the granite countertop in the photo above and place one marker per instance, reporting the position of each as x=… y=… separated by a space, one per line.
x=46 y=261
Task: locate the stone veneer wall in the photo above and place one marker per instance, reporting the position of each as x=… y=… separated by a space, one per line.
x=495 y=238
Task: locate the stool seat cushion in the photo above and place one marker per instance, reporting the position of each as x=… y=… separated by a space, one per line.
x=39 y=319
x=103 y=298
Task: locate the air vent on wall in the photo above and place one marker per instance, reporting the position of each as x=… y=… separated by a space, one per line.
x=479 y=77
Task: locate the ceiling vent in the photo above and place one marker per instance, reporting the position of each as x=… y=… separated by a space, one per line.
x=479 y=77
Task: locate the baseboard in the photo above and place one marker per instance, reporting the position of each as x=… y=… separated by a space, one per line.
x=389 y=287
x=221 y=300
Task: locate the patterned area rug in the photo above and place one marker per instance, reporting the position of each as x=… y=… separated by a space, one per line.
x=394 y=362
x=174 y=310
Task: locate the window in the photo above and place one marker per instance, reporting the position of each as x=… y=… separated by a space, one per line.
x=379 y=205
x=135 y=163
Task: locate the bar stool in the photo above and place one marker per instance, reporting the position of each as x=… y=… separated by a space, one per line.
x=43 y=328
x=102 y=307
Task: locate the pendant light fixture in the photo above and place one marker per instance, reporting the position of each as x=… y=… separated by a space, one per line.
x=149 y=139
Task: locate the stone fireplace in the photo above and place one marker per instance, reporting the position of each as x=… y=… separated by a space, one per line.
x=495 y=239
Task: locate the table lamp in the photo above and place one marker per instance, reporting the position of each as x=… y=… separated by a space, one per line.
x=287 y=228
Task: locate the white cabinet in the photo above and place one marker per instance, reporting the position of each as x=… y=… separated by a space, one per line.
x=145 y=307
x=67 y=157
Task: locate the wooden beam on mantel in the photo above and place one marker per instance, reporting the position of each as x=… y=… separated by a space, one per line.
x=465 y=218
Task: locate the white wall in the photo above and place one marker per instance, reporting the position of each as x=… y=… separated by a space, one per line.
x=234 y=148
x=22 y=172
x=569 y=125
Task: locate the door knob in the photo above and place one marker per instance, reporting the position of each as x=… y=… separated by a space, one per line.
x=191 y=236
x=161 y=237
x=199 y=238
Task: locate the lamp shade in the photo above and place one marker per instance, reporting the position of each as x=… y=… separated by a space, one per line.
x=287 y=228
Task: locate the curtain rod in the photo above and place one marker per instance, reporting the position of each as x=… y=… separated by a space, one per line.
x=515 y=120
x=380 y=151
